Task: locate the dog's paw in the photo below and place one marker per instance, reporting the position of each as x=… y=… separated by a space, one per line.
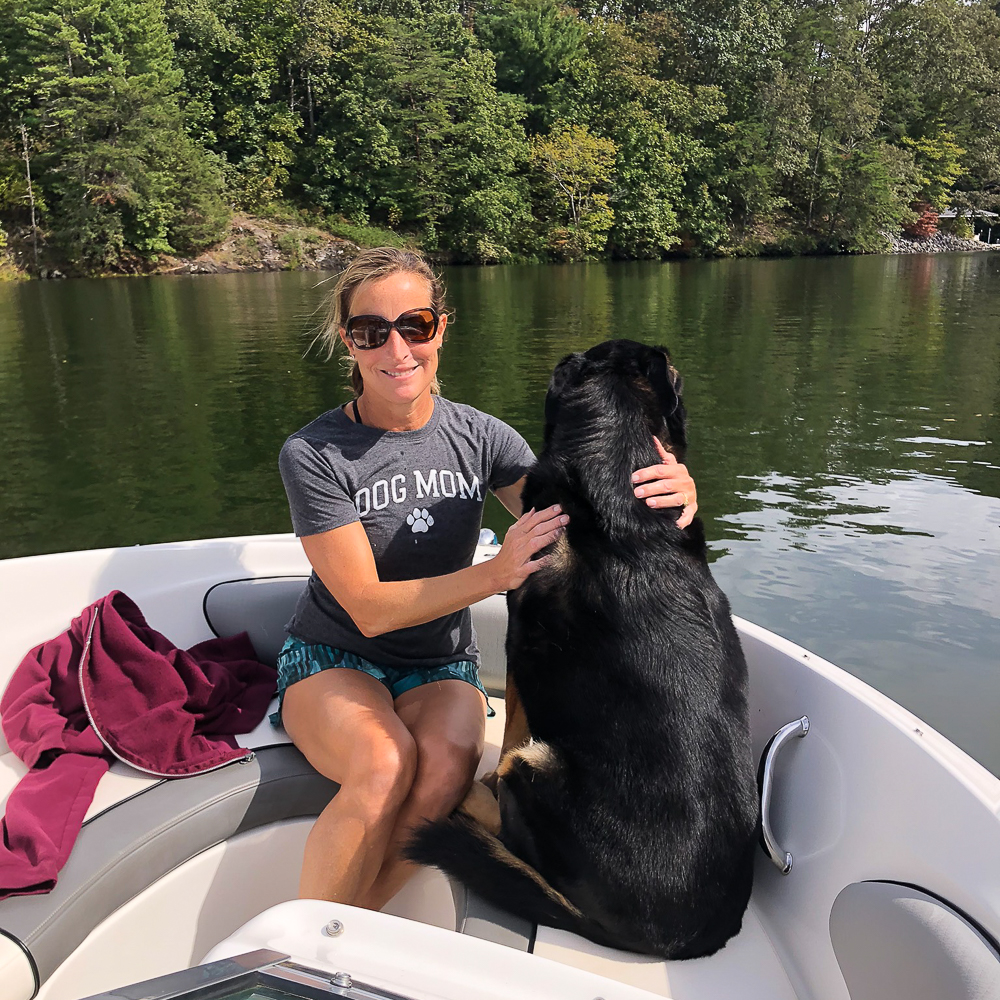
x=481 y=806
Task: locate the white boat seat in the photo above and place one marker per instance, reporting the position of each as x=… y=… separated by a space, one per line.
x=132 y=839
x=894 y=940
x=261 y=607
x=126 y=847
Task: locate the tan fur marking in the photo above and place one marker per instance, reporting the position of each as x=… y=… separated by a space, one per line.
x=506 y=765
x=559 y=556
x=483 y=807
x=515 y=730
x=539 y=756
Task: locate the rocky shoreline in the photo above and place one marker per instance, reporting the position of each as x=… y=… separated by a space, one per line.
x=254 y=244
x=264 y=245
x=938 y=243
x=251 y=244
x=257 y=245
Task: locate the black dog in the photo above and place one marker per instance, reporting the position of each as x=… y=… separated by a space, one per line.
x=630 y=816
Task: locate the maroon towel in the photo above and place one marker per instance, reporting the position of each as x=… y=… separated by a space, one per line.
x=111 y=686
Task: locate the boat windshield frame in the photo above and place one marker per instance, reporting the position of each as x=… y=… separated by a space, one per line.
x=273 y=973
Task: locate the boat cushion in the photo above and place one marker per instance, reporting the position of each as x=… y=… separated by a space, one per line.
x=263 y=606
x=894 y=940
x=260 y=607
x=129 y=846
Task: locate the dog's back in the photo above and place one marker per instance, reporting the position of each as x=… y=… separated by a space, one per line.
x=632 y=816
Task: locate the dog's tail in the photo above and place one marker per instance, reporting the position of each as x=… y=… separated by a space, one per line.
x=463 y=849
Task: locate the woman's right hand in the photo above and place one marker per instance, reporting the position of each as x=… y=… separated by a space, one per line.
x=515 y=561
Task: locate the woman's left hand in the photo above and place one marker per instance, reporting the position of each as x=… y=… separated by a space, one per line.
x=667 y=485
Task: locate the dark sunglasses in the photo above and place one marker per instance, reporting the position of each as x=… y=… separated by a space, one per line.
x=417 y=326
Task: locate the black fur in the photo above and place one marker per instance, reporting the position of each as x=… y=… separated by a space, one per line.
x=642 y=819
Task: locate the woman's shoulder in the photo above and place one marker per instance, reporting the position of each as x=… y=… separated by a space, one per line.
x=328 y=429
x=494 y=439
x=467 y=414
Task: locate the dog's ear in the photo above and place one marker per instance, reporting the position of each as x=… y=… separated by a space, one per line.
x=668 y=385
x=561 y=377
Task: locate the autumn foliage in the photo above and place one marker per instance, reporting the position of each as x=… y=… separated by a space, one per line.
x=926 y=222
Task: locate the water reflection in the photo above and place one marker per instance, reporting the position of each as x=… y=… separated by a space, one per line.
x=844 y=419
x=897 y=582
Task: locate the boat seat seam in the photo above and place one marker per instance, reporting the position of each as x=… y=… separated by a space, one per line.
x=121 y=802
x=143 y=791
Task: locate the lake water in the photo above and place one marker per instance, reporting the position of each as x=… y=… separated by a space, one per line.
x=844 y=419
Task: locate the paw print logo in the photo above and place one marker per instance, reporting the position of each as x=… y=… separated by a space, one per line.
x=419 y=520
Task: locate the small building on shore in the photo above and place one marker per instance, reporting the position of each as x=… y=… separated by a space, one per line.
x=985 y=225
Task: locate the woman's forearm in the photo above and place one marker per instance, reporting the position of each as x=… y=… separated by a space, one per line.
x=381 y=607
x=343 y=560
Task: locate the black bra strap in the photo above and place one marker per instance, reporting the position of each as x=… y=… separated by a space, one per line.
x=357 y=416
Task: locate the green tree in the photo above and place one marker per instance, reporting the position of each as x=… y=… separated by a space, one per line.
x=577 y=169
x=938 y=160
x=873 y=184
x=458 y=181
x=539 y=47
x=497 y=129
x=346 y=59
x=489 y=217
x=235 y=55
x=622 y=101
x=120 y=179
x=423 y=93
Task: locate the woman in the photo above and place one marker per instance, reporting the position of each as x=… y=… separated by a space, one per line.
x=378 y=678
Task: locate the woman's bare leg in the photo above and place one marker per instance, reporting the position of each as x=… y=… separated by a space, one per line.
x=447 y=720
x=345 y=724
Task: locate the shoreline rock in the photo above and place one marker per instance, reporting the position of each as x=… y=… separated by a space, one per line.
x=938 y=243
x=254 y=244
x=250 y=244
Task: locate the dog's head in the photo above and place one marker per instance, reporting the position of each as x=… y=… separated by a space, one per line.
x=644 y=372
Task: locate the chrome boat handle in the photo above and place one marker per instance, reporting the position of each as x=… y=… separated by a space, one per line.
x=799 y=728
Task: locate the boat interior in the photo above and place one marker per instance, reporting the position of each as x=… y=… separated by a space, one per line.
x=877 y=875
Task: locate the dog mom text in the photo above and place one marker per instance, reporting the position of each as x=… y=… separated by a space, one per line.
x=417 y=486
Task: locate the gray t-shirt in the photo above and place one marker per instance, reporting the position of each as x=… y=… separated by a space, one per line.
x=419 y=495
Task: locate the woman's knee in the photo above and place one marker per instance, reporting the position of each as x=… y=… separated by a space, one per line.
x=382 y=768
x=445 y=770
x=345 y=724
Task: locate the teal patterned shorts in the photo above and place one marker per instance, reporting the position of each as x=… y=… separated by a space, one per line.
x=298 y=660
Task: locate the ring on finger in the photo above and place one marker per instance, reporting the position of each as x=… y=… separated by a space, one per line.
x=684 y=499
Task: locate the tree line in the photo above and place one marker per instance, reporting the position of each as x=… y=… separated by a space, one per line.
x=494 y=131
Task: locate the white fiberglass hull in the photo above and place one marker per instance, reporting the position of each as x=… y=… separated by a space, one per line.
x=871 y=796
